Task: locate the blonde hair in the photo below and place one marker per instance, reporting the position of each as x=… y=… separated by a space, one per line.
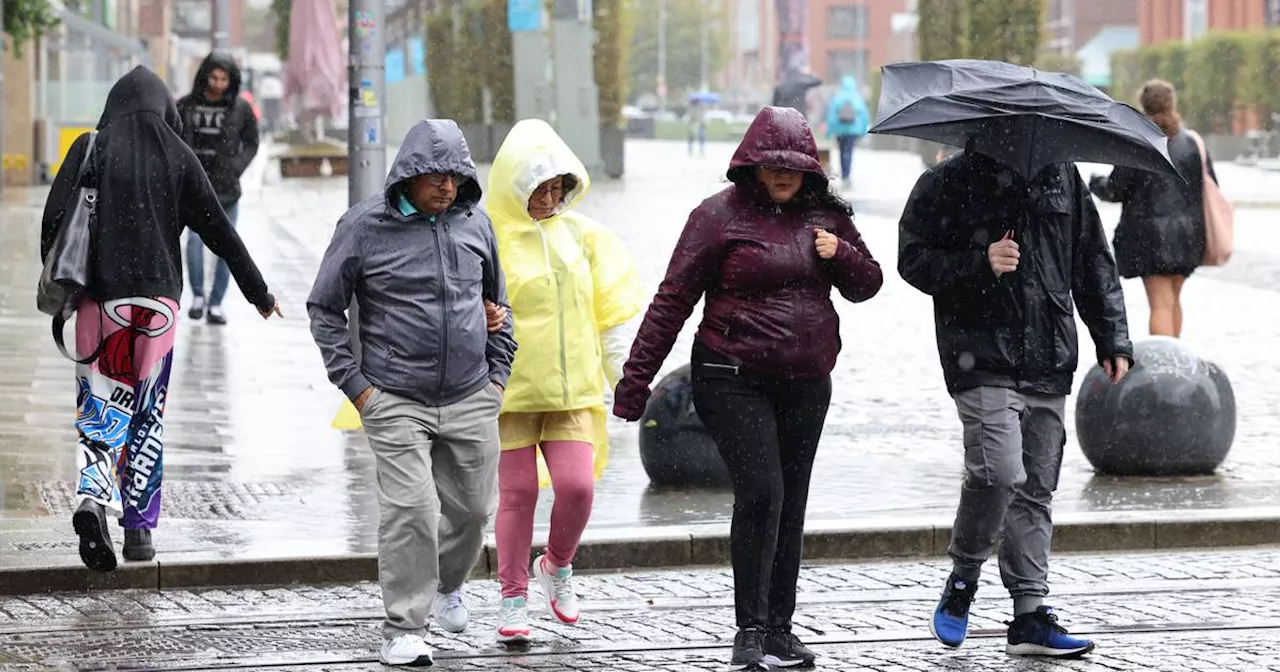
x=1159 y=101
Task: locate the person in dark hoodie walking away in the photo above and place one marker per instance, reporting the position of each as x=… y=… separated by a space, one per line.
x=421 y=259
x=223 y=130
x=1007 y=340
x=150 y=187
x=766 y=252
x=1161 y=236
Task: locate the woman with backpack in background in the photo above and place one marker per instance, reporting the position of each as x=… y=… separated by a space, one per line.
x=848 y=120
x=150 y=187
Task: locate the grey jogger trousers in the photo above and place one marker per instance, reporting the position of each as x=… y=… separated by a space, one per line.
x=437 y=471
x=1013 y=444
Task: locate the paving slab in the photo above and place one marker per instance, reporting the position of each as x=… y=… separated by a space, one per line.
x=255 y=472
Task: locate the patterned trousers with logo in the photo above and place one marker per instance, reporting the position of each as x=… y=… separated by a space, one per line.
x=121 y=399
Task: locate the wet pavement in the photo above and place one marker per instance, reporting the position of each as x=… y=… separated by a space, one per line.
x=254 y=470
x=1186 y=611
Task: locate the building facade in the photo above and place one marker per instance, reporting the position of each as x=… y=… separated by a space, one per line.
x=1165 y=20
x=1071 y=24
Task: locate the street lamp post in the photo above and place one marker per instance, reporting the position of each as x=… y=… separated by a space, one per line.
x=221 y=24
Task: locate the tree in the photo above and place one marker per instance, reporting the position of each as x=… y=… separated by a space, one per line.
x=282 y=10
x=610 y=58
x=942 y=29
x=685 y=20
x=25 y=20
x=1005 y=30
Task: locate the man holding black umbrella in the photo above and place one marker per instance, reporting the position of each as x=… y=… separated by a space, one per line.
x=1005 y=250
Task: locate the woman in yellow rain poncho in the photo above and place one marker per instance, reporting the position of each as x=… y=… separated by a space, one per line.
x=572 y=287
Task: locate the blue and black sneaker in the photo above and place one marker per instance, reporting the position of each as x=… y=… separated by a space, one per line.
x=1038 y=634
x=950 y=622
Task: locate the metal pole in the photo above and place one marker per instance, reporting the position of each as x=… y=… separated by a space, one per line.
x=366 y=141
x=221 y=24
x=702 y=63
x=662 y=55
x=3 y=44
x=366 y=75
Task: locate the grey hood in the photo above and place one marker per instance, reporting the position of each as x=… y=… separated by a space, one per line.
x=435 y=146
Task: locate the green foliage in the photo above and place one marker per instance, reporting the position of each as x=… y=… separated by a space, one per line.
x=1217 y=76
x=1055 y=62
x=282 y=9
x=1005 y=30
x=1261 y=72
x=942 y=29
x=1214 y=73
x=685 y=19
x=610 y=61
x=25 y=20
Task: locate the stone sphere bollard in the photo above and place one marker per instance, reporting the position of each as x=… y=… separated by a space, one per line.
x=675 y=447
x=1173 y=415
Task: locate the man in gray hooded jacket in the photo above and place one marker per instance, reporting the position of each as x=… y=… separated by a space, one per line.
x=421 y=259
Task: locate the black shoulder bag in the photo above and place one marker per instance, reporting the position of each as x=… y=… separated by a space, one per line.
x=65 y=279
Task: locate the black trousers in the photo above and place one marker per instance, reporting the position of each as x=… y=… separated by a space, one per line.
x=767 y=430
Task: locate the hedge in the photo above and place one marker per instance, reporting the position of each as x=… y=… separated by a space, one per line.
x=1217 y=76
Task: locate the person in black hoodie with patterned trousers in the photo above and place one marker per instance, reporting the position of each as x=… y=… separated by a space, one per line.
x=150 y=187
x=223 y=131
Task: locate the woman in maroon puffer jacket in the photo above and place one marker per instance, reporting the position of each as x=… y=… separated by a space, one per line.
x=766 y=252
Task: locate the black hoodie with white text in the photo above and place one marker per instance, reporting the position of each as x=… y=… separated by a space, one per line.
x=223 y=132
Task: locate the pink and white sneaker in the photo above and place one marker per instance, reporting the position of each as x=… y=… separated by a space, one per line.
x=557 y=585
x=513 y=621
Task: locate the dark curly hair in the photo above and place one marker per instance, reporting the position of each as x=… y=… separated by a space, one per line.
x=815 y=192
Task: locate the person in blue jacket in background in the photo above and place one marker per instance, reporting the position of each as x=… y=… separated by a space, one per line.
x=847 y=121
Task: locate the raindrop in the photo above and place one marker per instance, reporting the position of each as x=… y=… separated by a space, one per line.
x=965 y=361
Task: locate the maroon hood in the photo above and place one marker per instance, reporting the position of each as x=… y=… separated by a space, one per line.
x=779 y=136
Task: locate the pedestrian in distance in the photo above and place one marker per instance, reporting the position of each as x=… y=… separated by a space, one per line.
x=222 y=127
x=150 y=187
x=1161 y=234
x=793 y=92
x=766 y=253
x=1003 y=258
x=573 y=288
x=848 y=121
x=421 y=258
x=698 y=128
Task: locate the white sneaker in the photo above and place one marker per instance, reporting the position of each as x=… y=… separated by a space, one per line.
x=557 y=585
x=451 y=612
x=406 y=651
x=513 y=621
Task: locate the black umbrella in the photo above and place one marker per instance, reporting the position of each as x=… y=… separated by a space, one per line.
x=1017 y=115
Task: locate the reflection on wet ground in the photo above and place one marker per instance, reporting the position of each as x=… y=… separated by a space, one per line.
x=253 y=468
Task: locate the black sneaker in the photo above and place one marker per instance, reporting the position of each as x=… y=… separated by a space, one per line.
x=748 y=650
x=138 y=546
x=783 y=649
x=90 y=523
x=216 y=316
x=197 y=308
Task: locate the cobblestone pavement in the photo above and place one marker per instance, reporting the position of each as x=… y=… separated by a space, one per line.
x=1190 y=611
x=251 y=462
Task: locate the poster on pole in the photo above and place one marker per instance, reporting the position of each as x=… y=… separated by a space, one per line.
x=524 y=16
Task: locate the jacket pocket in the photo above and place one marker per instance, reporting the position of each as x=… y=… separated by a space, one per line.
x=1066 y=347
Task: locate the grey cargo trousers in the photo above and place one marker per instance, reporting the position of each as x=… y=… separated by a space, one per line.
x=437 y=471
x=1013 y=444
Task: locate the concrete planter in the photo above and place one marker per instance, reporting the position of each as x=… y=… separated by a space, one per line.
x=312 y=166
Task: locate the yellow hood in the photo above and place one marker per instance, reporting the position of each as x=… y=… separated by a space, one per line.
x=531 y=154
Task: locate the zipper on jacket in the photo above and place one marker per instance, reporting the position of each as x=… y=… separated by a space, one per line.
x=444 y=310
x=559 y=294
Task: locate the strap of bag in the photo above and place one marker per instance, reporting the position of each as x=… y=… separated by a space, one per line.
x=1204 y=159
x=59 y=323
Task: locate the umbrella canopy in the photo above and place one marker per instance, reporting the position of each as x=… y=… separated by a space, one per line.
x=1017 y=115
x=315 y=70
x=708 y=97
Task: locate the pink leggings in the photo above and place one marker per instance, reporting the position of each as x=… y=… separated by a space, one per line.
x=572 y=480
